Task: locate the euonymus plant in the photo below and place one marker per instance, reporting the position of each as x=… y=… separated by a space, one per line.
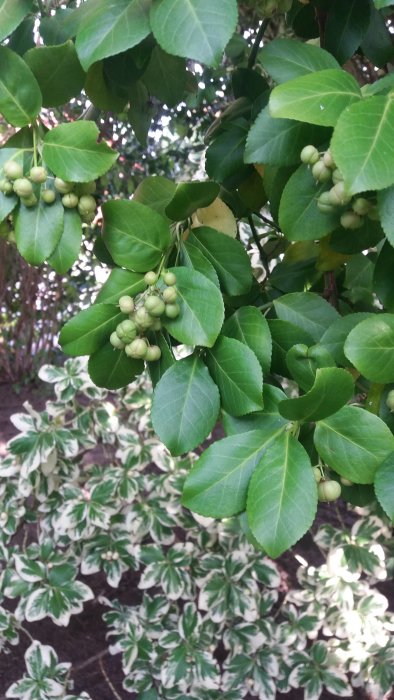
x=295 y=356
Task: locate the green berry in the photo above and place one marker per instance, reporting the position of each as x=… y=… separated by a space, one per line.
x=328 y=160
x=172 y=310
x=390 y=400
x=12 y=170
x=137 y=349
x=339 y=195
x=337 y=176
x=350 y=220
x=328 y=490
x=86 y=204
x=126 y=331
x=70 y=201
x=324 y=203
x=309 y=155
x=169 y=278
x=6 y=187
x=38 y=174
x=23 y=187
x=62 y=186
x=116 y=341
x=317 y=474
x=155 y=306
x=126 y=304
x=153 y=353
x=169 y=295
x=143 y=319
x=48 y=196
x=361 y=206
x=88 y=218
x=150 y=278
x=29 y=201
x=320 y=172
x=346 y=482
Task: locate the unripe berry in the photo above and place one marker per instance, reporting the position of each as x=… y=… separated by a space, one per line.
x=337 y=176
x=317 y=474
x=126 y=331
x=38 y=174
x=6 y=187
x=350 y=220
x=143 y=319
x=153 y=353
x=86 y=204
x=126 y=304
x=320 y=172
x=361 y=206
x=62 y=186
x=390 y=400
x=328 y=160
x=12 y=170
x=22 y=187
x=116 y=341
x=324 y=203
x=48 y=196
x=346 y=482
x=137 y=349
x=155 y=306
x=172 y=310
x=169 y=278
x=150 y=278
x=70 y=201
x=169 y=295
x=30 y=201
x=328 y=490
x=309 y=155
x=88 y=218
x=338 y=195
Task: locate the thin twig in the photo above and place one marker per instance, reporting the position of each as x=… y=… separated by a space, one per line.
x=257 y=42
x=108 y=681
x=91 y=660
x=263 y=257
x=267 y=221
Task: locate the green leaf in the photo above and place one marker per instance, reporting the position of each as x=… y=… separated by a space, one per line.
x=194 y=29
x=285 y=59
x=202 y=311
x=165 y=77
x=89 y=330
x=7 y=205
x=20 y=96
x=67 y=250
x=185 y=405
x=354 y=443
x=141 y=112
x=363 y=144
x=110 y=27
x=317 y=98
x=190 y=196
x=307 y=311
x=368 y=235
x=381 y=4
x=383 y=281
x=303 y=363
x=280 y=141
x=346 y=25
x=377 y=44
x=386 y=212
x=370 y=348
x=71 y=151
x=282 y=496
x=99 y=92
x=249 y=326
x=227 y=256
x=12 y=14
x=284 y=336
x=167 y=359
x=22 y=39
x=299 y=216
x=384 y=485
x=333 y=339
x=120 y=283
x=238 y=376
x=155 y=192
x=332 y=388
x=65 y=77
x=38 y=230
x=135 y=235
x=217 y=483
x=269 y=419
x=224 y=157
x=112 y=369
x=192 y=257
x=383 y=85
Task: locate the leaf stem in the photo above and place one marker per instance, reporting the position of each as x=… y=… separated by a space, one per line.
x=257 y=42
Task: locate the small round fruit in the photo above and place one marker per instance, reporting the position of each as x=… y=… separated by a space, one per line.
x=48 y=196
x=172 y=310
x=328 y=160
x=320 y=172
x=62 y=186
x=337 y=176
x=6 y=187
x=150 y=278
x=169 y=278
x=38 y=174
x=29 y=201
x=309 y=155
x=86 y=204
x=70 y=201
x=324 y=203
x=390 y=400
x=86 y=188
x=169 y=295
x=361 y=206
x=328 y=490
x=155 y=306
x=126 y=331
x=317 y=474
x=143 y=319
x=12 y=170
x=126 y=304
x=153 y=353
x=88 y=218
x=346 y=482
x=350 y=220
x=373 y=213
x=339 y=195
x=137 y=349
x=116 y=341
x=23 y=187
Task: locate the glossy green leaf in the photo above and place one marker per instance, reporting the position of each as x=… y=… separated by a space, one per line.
x=384 y=485
x=135 y=235
x=65 y=78
x=155 y=192
x=354 y=443
x=38 y=230
x=383 y=85
x=317 y=98
x=110 y=27
x=224 y=157
x=307 y=311
x=280 y=141
x=7 y=205
x=165 y=77
x=383 y=280
x=299 y=216
x=217 y=483
x=346 y=25
x=333 y=339
x=303 y=363
x=99 y=92
x=12 y=14
x=120 y=283
x=22 y=39
x=72 y=152
x=377 y=43
x=370 y=348
x=90 y=329
x=237 y=374
x=69 y=246
x=185 y=405
x=386 y=212
x=285 y=59
x=20 y=96
x=192 y=257
x=195 y=29
x=228 y=257
x=332 y=388
x=201 y=309
x=284 y=336
x=368 y=235
x=282 y=496
x=268 y=419
x=112 y=369
x=190 y=196
x=249 y=326
x=62 y=26
x=363 y=144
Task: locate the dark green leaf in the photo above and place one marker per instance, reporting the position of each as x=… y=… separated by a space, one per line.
x=249 y=326
x=303 y=363
x=167 y=359
x=38 y=230
x=284 y=336
x=89 y=330
x=65 y=77
x=367 y=236
x=22 y=38
x=377 y=43
x=141 y=111
x=62 y=26
x=7 y=205
x=155 y=192
x=384 y=485
x=225 y=155
x=346 y=25
x=20 y=96
x=285 y=59
x=121 y=283
x=190 y=196
x=370 y=348
x=112 y=369
x=307 y=311
x=383 y=280
x=269 y=419
x=99 y=92
x=12 y=13
x=333 y=339
x=227 y=256
x=165 y=77
x=386 y=212
x=192 y=257
x=67 y=250
x=332 y=388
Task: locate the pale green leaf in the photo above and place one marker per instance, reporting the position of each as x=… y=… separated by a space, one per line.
x=285 y=59
x=370 y=348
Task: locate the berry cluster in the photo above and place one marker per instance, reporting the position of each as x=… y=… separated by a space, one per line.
x=325 y=170
x=144 y=315
x=73 y=194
